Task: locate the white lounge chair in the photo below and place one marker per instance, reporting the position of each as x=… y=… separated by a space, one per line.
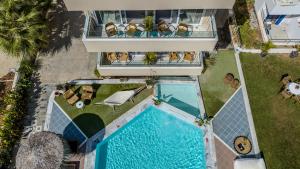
x=120 y=97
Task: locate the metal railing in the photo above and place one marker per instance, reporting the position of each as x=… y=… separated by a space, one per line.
x=137 y=60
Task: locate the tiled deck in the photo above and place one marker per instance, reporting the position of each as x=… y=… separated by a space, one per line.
x=225 y=156
x=232 y=121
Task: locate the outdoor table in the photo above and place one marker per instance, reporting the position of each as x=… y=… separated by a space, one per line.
x=294 y=88
x=79 y=105
x=242 y=145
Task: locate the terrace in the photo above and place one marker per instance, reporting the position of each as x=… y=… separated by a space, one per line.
x=287 y=30
x=161 y=59
x=92 y=118
x=276 y=119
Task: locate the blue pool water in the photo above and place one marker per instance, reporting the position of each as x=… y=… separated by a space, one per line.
x=182 y=96
x=153 y=140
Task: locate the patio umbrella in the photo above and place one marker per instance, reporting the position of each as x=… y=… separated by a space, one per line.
x=43 y=150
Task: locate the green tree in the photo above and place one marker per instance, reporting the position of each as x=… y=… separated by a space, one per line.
x=23 y=27
x=148 y=22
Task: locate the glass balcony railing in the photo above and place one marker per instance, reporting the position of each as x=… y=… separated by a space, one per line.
x=163 y=59
x=121 y=31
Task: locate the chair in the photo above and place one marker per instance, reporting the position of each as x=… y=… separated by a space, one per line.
x=131 y=29
x=112 y=57
x=173 y=56
x=286 y=80
x=235 y=83
x=111 y=29
x=123 y=57
x=87 y=92
x=228 y=79
x=69 y=93
x=189 y=56
x=286 y=94
x=73 y=99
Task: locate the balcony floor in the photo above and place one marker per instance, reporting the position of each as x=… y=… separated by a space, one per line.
x=289 y=29
x=204 y=29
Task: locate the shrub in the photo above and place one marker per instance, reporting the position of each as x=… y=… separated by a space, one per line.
x=249 y=36
x=11 y=119
x=148 y=22
x=265 y=47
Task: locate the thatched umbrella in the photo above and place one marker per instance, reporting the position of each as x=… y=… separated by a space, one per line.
x=43 y=150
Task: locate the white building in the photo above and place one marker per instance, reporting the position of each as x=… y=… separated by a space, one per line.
x=279 y=20
x=181 y=32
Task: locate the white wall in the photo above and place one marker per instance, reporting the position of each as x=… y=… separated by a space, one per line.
x=148 y=45
x=150 y=71
x=85 y=5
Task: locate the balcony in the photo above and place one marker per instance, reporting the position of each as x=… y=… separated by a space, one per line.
x=123 y=31
x=85 y=5
x=133 y=35
x=164 y=64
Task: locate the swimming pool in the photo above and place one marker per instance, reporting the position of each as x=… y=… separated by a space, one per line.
x=153 y=140
x=180 y=95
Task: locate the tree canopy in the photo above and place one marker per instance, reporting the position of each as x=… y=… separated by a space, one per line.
x=23 y=26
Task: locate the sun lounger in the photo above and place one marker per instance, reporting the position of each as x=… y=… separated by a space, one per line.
x=88 y=89
x=73 y=99
x=111 y=29
x=112 y=57
x=189 y=56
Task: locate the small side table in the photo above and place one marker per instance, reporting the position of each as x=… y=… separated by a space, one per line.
x=79 y=105
x=242 y=145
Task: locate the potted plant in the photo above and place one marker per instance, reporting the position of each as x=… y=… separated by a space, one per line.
x=265 y=47
x=148 y=22
x=150 y=58
x=97 y=73
x=150 y=83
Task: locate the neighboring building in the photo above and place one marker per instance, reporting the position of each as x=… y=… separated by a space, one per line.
x=279 y=20
x=116 y=30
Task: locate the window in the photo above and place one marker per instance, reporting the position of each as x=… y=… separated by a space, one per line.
x=190 y=16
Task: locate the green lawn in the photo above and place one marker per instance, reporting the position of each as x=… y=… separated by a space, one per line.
x=95 y=117
x=215 y=92
x=277 y=121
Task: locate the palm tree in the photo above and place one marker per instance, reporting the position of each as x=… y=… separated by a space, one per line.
x=22 y=27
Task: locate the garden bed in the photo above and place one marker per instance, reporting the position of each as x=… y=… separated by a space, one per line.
x=215 y=92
